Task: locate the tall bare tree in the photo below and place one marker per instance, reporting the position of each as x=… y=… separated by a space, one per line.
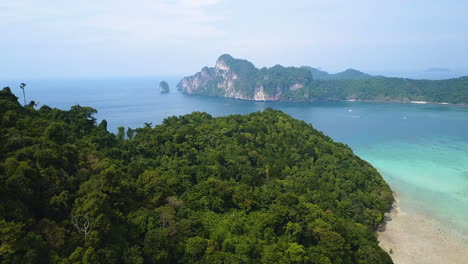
x=22 y=85
x=82 y=224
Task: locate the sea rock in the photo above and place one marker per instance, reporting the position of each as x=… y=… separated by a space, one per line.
x=163 y=87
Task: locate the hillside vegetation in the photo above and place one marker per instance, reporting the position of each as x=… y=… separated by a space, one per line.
x=257 y=188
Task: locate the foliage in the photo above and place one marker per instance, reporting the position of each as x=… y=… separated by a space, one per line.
x=453 y=91
x=349 y=74
x=258 y=188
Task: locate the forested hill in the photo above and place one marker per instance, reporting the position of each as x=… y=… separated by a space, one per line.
x=349 y=74
x=240 y=79
x=258 y=188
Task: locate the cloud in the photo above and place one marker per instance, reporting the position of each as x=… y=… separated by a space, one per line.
x=19 y=11
x=139 y=21
x=90 y=37
x=159 y=21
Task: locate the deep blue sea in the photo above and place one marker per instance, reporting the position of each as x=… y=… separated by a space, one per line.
x=421 y=150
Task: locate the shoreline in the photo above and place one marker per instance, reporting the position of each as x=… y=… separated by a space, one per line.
x=319 y=101
x=414 y=238
x=405 y=102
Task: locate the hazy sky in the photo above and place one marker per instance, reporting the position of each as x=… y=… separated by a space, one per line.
x=93 y=38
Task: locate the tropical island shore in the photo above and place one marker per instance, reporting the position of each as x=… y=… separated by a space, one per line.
x=401 y=102
x=414 y=238
x=241 y=79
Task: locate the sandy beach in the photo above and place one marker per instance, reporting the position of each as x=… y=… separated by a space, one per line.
x=413 y=238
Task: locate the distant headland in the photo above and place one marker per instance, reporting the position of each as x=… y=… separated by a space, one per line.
x=240 y=79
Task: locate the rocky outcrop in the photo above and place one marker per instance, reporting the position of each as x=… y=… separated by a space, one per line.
x=240 y=79
x=193 y=83
x=163 y=87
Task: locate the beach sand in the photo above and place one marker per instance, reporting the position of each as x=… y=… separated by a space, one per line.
x=414 y=238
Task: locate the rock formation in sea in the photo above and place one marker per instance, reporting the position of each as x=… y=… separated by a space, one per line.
x=163 y=87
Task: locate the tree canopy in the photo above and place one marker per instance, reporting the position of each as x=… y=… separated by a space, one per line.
x=257 y=188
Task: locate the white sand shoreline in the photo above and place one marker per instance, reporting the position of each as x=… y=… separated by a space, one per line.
x=403 y=102
x=414 y=238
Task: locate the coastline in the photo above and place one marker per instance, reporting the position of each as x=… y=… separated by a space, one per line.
x=415 y=238
x=404 y=102
x=315 y=101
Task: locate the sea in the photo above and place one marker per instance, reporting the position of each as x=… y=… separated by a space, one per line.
x=421 y=150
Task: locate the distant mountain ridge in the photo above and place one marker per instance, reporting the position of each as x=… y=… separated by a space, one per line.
x=240 y=79
x=349 y=74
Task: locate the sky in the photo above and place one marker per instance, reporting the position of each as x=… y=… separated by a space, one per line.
x=117 y=38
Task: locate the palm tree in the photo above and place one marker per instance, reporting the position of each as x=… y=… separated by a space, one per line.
x=22 y=85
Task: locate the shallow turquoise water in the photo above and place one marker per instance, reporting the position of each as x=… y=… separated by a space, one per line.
x=421 y=150
x=430 y=174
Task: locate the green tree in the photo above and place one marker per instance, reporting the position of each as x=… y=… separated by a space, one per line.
x=121 y=133
x=256 y=188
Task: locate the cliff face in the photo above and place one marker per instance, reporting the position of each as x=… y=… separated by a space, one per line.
x=240 y=79
x=193 y=83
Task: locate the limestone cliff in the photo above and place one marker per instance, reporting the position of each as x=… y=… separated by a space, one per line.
x=240 y=79
x=163 y=87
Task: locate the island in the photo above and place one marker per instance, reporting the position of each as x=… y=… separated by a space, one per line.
x=240 y=79
x=256 y=188
x=163 y=87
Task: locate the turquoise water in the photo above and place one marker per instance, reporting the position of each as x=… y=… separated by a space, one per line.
x=421 y=150
x=430 y=175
